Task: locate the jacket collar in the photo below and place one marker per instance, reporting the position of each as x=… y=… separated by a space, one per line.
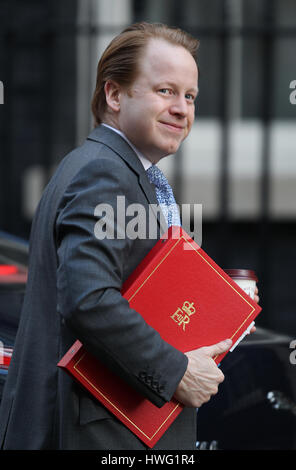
x=118 y=144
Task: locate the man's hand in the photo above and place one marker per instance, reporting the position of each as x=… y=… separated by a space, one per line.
x=202 y=376
x=256 y=296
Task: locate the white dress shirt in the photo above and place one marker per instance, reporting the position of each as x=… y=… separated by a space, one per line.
x=145 y=162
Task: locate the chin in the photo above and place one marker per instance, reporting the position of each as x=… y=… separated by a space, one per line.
x=173 y=149
x=164 y=149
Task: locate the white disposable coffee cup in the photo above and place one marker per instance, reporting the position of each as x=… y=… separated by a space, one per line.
x=245 y=278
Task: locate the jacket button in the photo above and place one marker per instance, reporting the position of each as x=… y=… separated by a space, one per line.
x=142 y=375
x=149 y=379
x=160 y=388
x=155 y=384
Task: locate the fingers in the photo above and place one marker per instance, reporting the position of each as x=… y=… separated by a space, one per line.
x=256 y=296
x=218 y=348
x=202 y=376
x=200 y=381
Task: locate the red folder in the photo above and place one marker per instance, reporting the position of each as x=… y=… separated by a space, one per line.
x=182 y=293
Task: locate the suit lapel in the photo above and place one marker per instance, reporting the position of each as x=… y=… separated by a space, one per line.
x=119 y=145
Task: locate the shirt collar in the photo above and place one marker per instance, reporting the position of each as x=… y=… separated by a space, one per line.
x=144 y=160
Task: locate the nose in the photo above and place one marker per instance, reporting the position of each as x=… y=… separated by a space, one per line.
x=179 y=106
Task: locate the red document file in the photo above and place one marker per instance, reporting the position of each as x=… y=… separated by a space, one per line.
x=183 y=294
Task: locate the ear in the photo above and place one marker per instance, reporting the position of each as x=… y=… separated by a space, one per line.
x=112 y=93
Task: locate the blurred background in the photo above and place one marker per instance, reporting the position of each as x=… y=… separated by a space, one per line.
x=239 y=161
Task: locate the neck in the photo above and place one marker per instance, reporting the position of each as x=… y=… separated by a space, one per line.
x=111 y=121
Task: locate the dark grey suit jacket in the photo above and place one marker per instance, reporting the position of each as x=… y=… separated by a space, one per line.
x=73 y=291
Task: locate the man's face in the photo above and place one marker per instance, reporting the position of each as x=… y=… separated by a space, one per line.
x=157 y=112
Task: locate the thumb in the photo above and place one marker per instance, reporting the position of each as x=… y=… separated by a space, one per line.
x=218 y=348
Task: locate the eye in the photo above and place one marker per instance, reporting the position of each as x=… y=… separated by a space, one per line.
x=166 y=91
x=190 y=97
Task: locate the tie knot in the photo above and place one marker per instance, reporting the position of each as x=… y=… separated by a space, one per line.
x=157 y=177
x=164 y=194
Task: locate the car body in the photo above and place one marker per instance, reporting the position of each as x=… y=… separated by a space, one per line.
x=14 y=254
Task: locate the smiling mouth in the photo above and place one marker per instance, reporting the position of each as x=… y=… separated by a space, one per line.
x=173 y=127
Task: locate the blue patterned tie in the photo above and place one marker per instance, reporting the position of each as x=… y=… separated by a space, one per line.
x=164 y=194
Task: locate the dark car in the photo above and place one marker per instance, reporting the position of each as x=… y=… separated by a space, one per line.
x=13 y=277
x=255 y=407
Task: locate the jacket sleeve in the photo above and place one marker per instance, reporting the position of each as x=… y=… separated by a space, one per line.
x=89 y=281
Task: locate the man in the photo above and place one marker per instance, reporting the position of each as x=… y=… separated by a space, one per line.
x=144 y=108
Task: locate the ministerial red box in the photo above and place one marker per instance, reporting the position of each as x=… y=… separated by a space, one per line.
x=184 y=295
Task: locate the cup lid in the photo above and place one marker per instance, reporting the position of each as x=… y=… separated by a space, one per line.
x=242 y=274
